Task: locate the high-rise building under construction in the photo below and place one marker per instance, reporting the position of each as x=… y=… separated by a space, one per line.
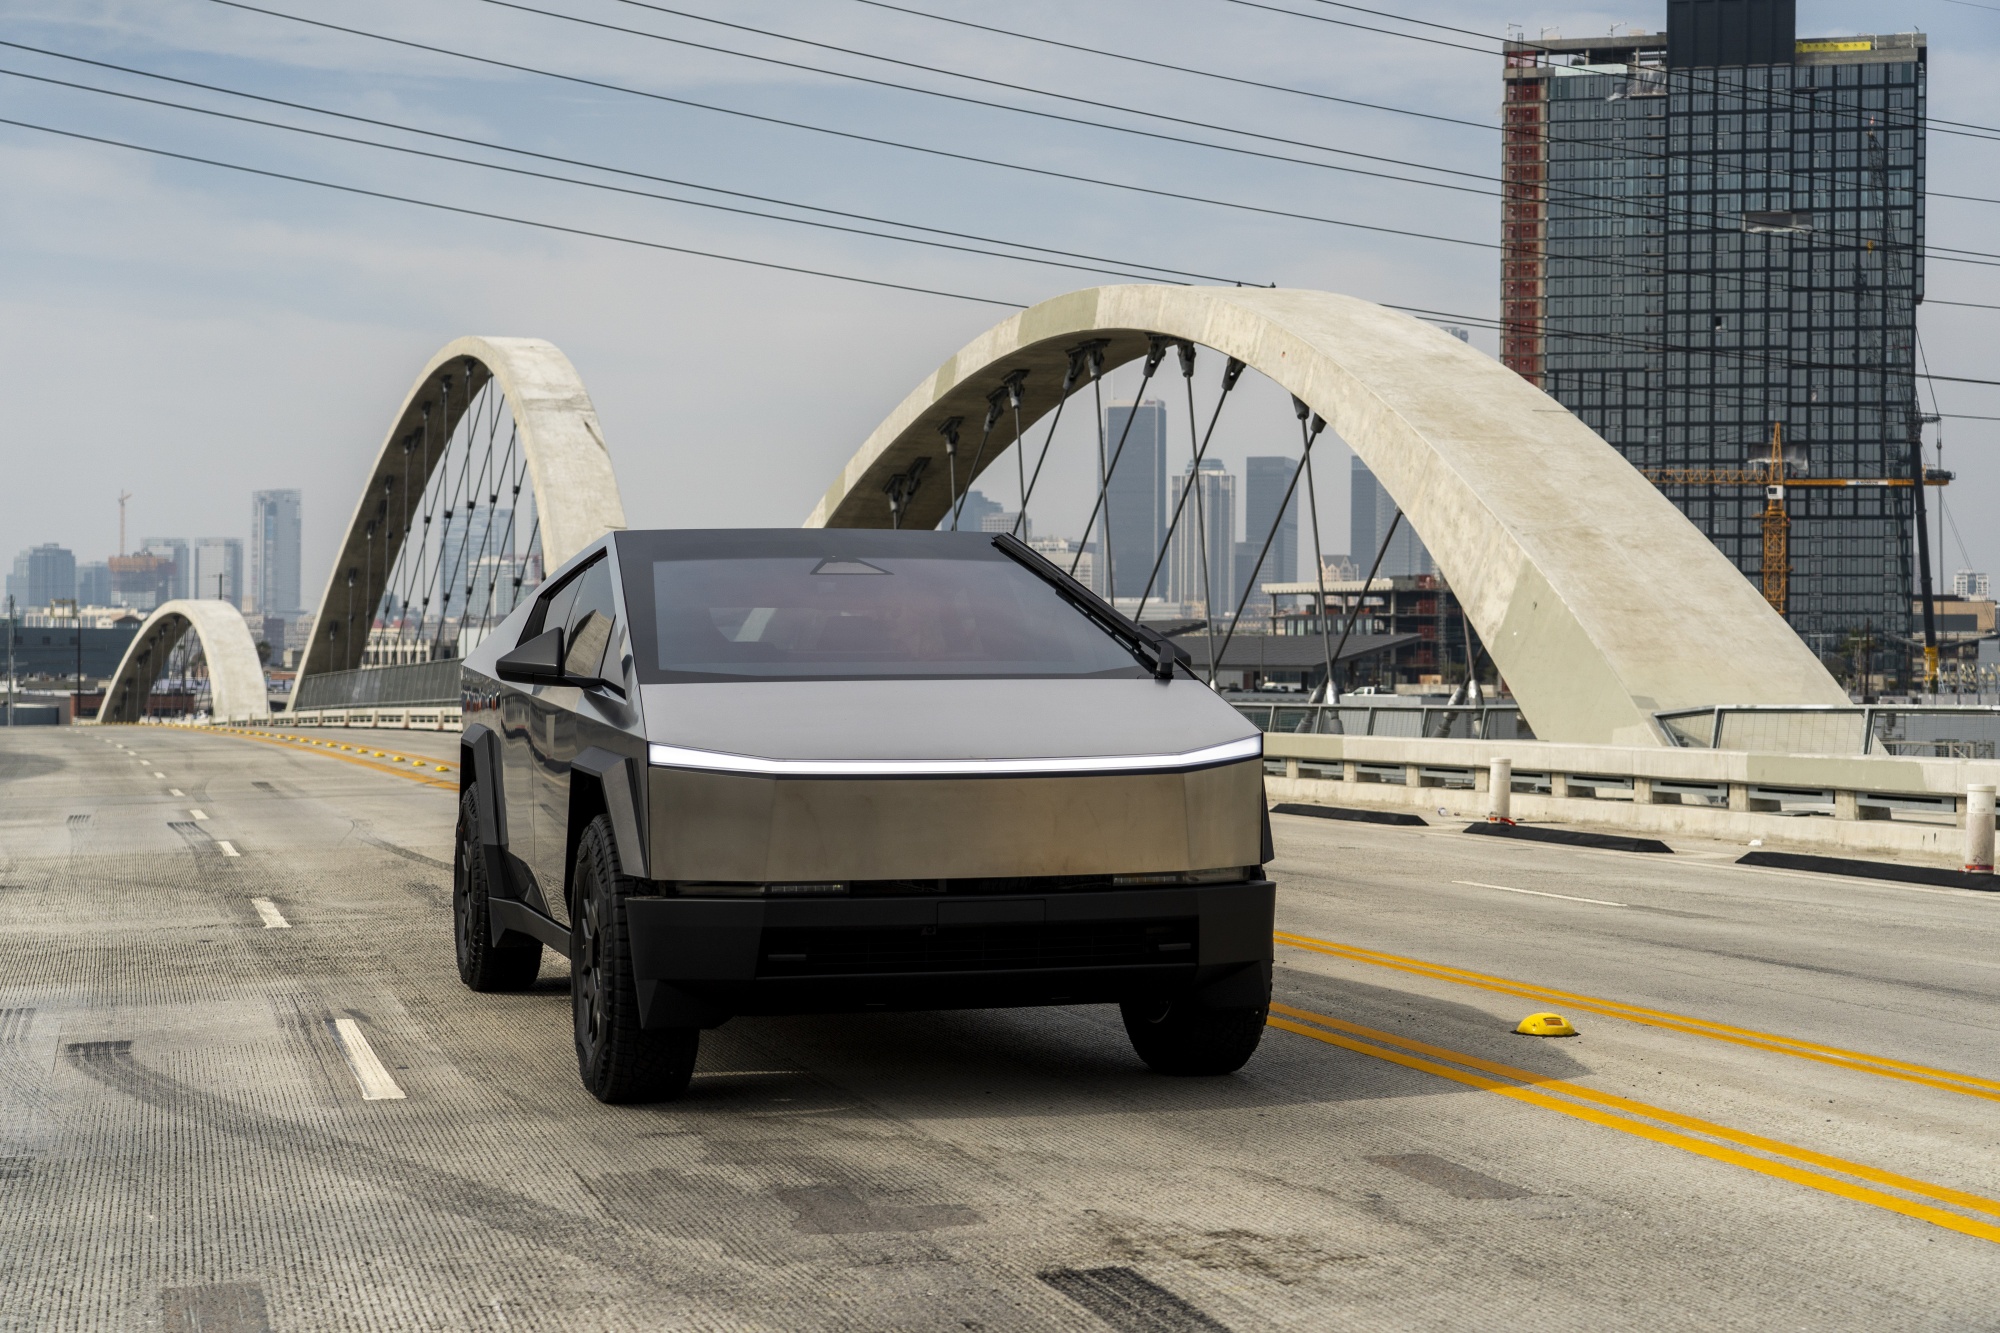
x=1714 y=229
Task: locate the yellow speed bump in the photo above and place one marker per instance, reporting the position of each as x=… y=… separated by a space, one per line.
x=1545 y=1025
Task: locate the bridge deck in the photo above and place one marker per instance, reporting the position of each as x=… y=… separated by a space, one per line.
x=184 y=1134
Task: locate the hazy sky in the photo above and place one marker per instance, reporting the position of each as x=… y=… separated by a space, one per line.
x=192 y=334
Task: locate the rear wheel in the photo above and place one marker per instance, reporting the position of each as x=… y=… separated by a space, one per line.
x=482 y=964
x=619 y=1060
x=1178 y=1037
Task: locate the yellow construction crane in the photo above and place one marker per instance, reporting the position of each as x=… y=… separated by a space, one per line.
x=1777 y=523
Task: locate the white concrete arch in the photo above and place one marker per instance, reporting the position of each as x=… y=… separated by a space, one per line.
x=1599 y=602
x=235 y=671
x=568 y=466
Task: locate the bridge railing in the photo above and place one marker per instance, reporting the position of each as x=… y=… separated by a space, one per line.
x=430 y=686
x=1931 y=731
x=1478 y=722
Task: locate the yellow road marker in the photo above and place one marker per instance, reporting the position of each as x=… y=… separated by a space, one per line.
x=1623 y=1114
x=1970 y=1085
x=1545 y=1025
x=419 y=775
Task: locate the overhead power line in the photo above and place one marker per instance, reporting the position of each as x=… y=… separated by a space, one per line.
x=974 y=159
x=1180 y=69
x=1592 y=203
x=1097 y=264
x=504 y=217
x=1966 y=129
x=1586 y=202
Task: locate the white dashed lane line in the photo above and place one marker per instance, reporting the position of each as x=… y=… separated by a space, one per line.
x=268 y=913
x=1568 y=898
x=159 y=775
x=198 y=814
x=376 y=1085
x=175 y=791
x=228 y=848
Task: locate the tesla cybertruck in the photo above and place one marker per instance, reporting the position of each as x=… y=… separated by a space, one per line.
x=835 y=770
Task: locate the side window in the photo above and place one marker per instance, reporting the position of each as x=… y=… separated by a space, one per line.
x=593 y=615
x=551 y=611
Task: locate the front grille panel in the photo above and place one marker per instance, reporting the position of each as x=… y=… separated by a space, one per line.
x=1027 y=946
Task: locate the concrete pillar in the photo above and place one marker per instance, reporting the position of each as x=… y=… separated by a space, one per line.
x=1642 y=791
x=1349 y=771
x=1979 y=828
x=1739 y=797
x=1500 y=792
x=1846 y=804
x=1413 y=775
x=1559 y=786
x=1292 y=769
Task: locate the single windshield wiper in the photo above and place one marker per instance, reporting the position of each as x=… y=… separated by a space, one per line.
x=1156 y=652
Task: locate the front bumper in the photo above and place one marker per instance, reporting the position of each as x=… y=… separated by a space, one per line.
x=698 y=961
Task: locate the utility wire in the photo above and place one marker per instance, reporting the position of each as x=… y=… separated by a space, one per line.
x=505 y=217
x=1707 y=82
x=1592 y=202
x=980 y=101
x=1602 y=262
x=1180 y=69
x=627 y=90
x=624 y=189
x=545 y=157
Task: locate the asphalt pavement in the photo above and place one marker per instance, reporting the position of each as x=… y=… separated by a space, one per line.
x=242 y=1088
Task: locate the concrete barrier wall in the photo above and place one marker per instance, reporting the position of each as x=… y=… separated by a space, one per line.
x=1824 y=802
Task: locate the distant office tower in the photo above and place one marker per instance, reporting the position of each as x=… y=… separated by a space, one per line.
x=1265 y=482
x=141 y=582
x=972 y=513
x=175 y=551
x=1136 y=507
x=93 y=583
x=1370 y=512
x=45 y=573
x=467 y=540
x=1970 y=583
x=218 y=570
x=1002 y=520
x=1203 y=558
x=274 y=553
x=1717 y=228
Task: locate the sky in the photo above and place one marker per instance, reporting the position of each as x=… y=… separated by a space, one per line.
x=191 y=333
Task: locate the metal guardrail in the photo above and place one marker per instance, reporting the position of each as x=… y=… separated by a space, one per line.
x=1905 y=730
x=1476 y=722
x=415 y=683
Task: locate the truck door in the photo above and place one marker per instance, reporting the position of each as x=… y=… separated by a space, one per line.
x=590 y=616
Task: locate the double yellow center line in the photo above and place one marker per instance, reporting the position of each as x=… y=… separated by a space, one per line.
x=443 y=776
x=1969 y=1085
x=1855 y=1181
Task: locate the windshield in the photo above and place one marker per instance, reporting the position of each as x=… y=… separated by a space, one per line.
x=861 y=605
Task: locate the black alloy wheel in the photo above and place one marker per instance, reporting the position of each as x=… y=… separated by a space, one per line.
x=482 y=964
x=1181 y=1038
x=618 y=1059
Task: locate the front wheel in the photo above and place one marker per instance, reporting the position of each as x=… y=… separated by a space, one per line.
x=482 y=964
x=619 y=1060
x=1177 y=1037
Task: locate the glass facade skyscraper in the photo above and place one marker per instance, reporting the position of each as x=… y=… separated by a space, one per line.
x=1718 y=229
x=1136 y=504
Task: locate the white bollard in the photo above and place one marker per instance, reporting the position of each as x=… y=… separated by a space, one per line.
x=1979 y=828
x=1500 y=793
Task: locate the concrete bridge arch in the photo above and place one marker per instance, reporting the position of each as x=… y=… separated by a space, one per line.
x=1599 y=602
x=235 y=671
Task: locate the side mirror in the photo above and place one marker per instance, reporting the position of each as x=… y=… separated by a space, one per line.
x=536 y=662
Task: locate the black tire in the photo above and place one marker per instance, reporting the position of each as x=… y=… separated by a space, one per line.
x=619 y=1060
x=1177 y=1037
x=482 y=964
